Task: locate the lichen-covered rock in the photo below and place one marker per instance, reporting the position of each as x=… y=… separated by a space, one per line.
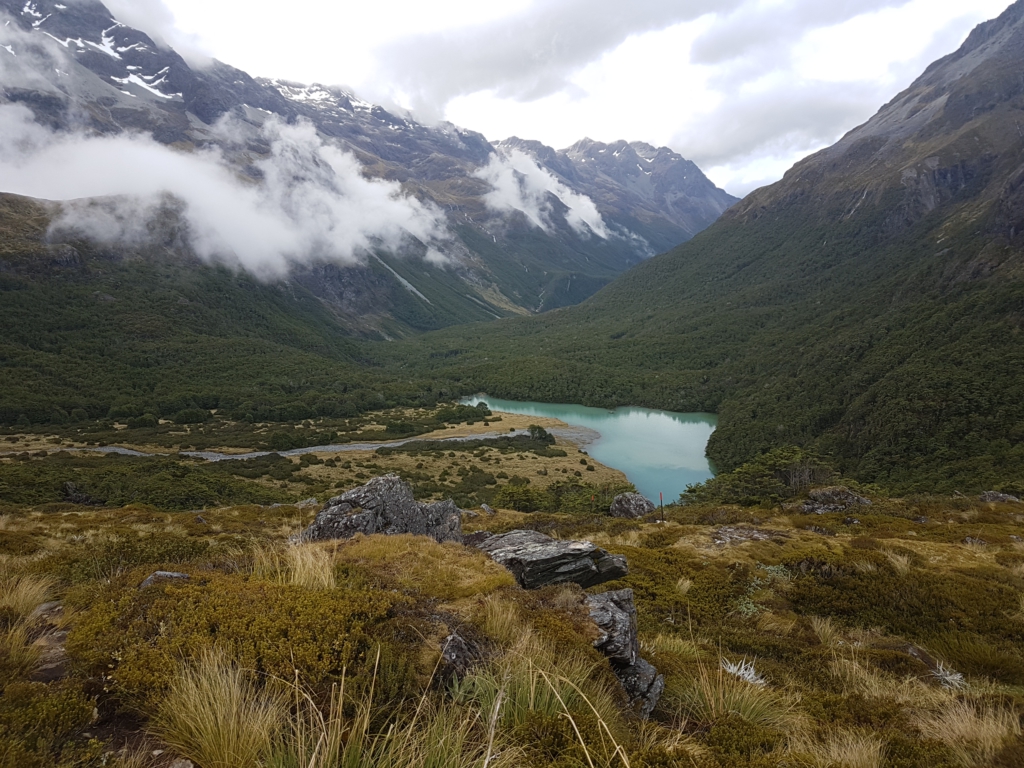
x=156 y=576
x=631 y=505
x=458 y=657
x=537 y=560
x=615 y=615
x=643 y=684
x=384 y=505
x=823 y=501
x=998 y=498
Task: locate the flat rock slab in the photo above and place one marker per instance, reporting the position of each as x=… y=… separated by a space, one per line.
x=156 y=576
x=823 y=501
x=384 y=505
x=995 y=497
x=537 y=560
x=730 y=535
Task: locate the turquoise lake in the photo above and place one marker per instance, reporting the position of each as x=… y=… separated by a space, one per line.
x=659 y=451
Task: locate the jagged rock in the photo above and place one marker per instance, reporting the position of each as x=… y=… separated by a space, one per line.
x=537 y=560
x=384 y=505
x=631 y=505
x=160 y=575
x=458 y=656
x=53 y=658
x=823 y=501
x=996 y=497
x=487 y=509
x=615 y=615
x=643 y=684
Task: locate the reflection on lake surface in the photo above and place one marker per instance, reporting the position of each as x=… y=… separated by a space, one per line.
x=659 y=451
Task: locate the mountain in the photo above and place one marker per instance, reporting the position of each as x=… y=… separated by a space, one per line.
x=512 y=238
x=870 y=305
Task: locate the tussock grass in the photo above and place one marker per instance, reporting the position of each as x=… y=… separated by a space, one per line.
x=870 y=683
x=683 y=649
x=776 y=624
x=216 y=715
x=829 y=634
x=502 y=620
x=900 y=562
x=973 y=732
x=684 y=585
x=840 y=749
x=21 y=594
x=419 y=564
x=308 y=565
x=17 y=656
x=714 y=695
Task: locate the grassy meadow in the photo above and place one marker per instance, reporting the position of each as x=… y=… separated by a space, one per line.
x=883 y=635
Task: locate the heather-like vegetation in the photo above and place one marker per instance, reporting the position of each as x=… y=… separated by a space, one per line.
x=884 y=635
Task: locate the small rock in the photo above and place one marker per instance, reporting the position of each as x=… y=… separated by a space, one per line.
x=972 y=540
x=384 y=505
x=307 y=503
x=994 y=497
x=47 y=613
x=537 y=560
x=458 y=657
x=921 y=519
x=182 y=762
x=200 y=519
x=823 y=501
x=819 y=530
x=851 y=521
x=470 y=513
x=643 y=684
x=631 y=505
x=729 y=535
x=487 y=509
x=53 y=658
x=158 y=575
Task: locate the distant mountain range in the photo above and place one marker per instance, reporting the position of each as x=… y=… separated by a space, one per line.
x=522 y=228
x=869 y=305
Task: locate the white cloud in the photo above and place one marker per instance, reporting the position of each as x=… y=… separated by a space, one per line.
x=518 y=183
x=157 y=20
x=313 y=202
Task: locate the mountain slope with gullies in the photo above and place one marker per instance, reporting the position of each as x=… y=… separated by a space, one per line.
x=505 y=238
x=869 y=305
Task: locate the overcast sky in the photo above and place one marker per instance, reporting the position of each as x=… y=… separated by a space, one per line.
x=742 y=87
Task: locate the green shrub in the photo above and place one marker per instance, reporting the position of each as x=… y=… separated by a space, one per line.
x=136 y=637
x=772 y=477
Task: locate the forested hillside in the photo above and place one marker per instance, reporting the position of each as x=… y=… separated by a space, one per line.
x=869 y=305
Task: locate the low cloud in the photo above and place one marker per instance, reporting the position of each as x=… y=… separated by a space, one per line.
x=518 y=183
x=312 y=202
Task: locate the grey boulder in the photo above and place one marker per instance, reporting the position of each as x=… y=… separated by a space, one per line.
x=384 y=505
x=631 y=505
x=615 y=615
x=537 y=560
x=997 y=497
x=822 y=501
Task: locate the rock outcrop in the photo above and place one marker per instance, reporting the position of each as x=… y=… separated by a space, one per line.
x=823 y=501
x=615 y=615
x=631 y=505
x=537 y=560
x=997 y=497
x=384 y=505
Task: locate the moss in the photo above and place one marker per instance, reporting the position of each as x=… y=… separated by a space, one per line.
x=737 y=742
